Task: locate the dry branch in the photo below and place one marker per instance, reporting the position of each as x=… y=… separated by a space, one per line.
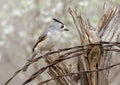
x=93 y=55
x=76 y=48
x=70 y=74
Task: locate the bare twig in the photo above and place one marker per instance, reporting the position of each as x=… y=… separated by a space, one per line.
x=33 y=76
x=80 y=49
x=70 y=74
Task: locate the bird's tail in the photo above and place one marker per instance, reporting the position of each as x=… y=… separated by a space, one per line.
x=28 y=61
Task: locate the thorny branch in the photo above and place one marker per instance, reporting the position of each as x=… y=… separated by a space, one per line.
x=33 y=76
x=83 y=49
x=70 y=74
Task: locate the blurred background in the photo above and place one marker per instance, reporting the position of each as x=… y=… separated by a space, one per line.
x=21 y=23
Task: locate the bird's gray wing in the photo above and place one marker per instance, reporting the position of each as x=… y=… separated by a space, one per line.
x=41 y=38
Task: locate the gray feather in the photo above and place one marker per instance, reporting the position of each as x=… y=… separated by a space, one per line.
x=41 y=38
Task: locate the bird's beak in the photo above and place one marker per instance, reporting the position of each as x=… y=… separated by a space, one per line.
x=66 y=29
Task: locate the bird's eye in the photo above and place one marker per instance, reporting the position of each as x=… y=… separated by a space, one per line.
x=62 y=26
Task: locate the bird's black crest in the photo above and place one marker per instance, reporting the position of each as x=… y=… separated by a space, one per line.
x=57 y=20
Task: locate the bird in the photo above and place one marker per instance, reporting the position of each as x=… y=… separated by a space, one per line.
x=49 y=38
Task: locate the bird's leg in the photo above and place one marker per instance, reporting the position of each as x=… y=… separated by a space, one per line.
x=51 y=50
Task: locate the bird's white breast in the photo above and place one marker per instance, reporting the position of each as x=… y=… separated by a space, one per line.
x=52 y=39
x=55 y=36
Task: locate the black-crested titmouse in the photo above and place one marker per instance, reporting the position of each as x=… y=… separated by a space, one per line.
x=49 y=38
